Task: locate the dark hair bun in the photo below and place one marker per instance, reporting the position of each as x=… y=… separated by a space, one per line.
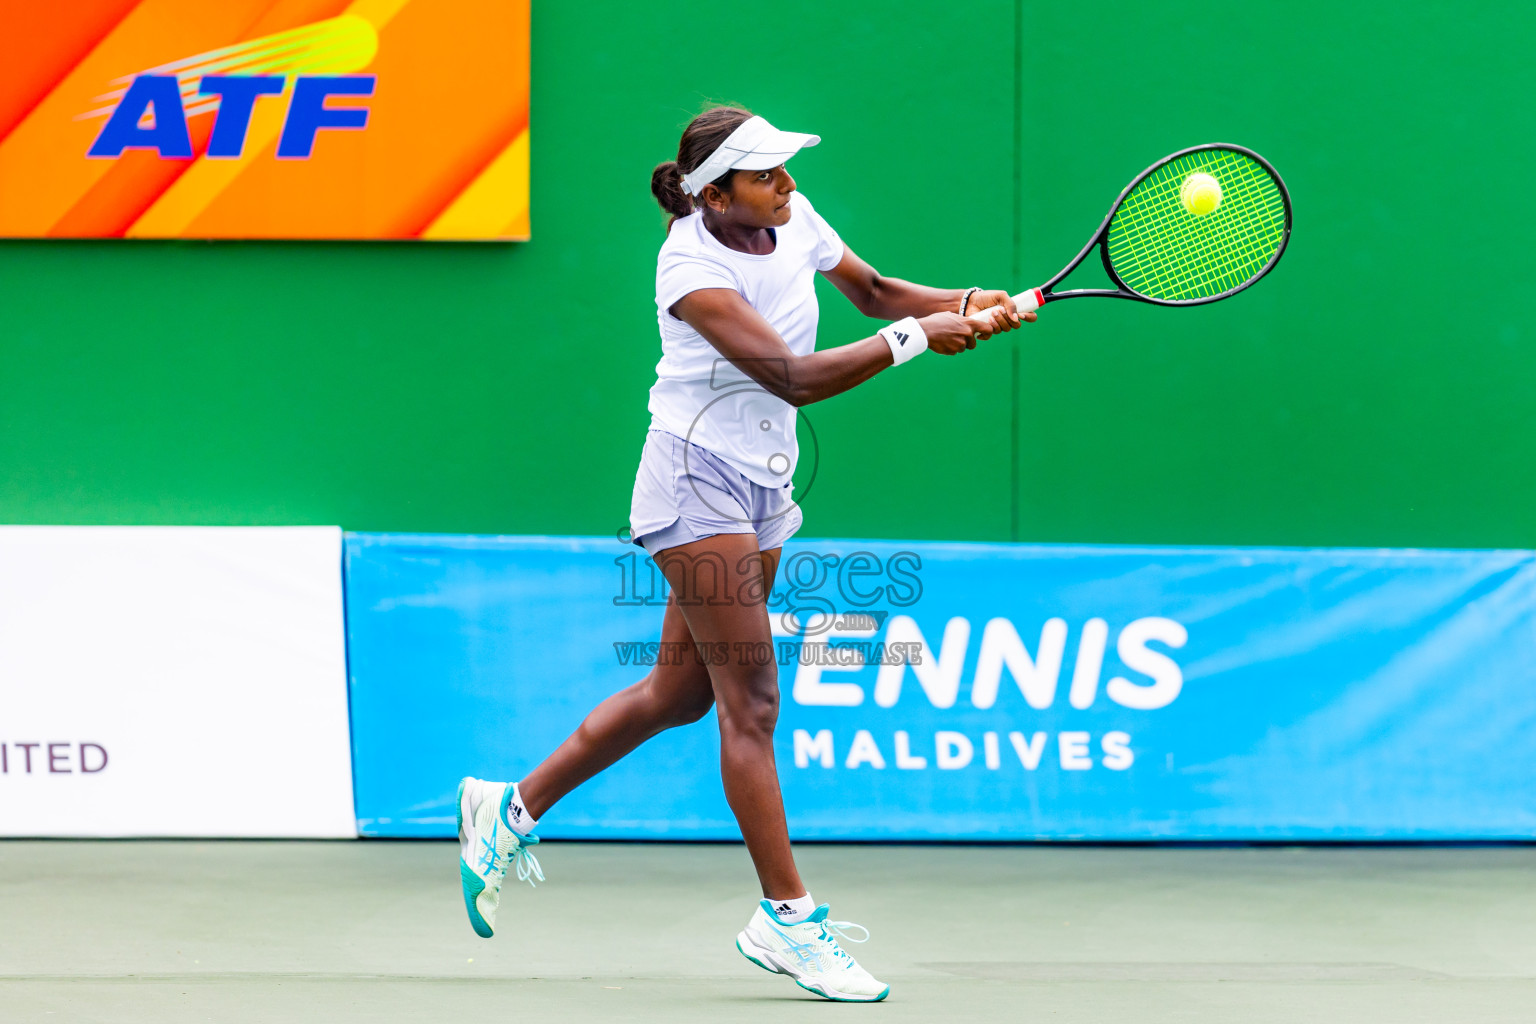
x=702 y=137
x=667 y=187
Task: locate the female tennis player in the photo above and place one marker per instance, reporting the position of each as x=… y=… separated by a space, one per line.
x=712 y=505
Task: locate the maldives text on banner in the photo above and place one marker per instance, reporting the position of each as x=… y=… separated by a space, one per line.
x=169 y=681
x=355 y=119
x=972 y=691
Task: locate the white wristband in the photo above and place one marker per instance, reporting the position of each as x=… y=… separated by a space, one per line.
x=906 y=339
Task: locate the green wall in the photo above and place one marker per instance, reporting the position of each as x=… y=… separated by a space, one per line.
x=1378 y=389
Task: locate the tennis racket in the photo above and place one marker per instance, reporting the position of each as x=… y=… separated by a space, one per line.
x=1172 y=239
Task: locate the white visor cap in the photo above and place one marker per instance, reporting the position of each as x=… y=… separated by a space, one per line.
x=754 y=146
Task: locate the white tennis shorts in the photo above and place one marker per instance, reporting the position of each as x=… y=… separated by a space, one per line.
x=685 y=493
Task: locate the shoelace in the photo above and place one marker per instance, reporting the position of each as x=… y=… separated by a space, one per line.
x=831 y=931
x=527 y=864
x=522 y=858
x=841 y=928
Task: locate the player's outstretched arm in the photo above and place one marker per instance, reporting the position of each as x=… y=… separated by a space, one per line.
x=891 y=298
x=740 y=334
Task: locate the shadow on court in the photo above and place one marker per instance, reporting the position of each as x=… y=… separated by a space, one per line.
x=375 y=931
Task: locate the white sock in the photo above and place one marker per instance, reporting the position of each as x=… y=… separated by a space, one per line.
x=794 y=911
x=515 y=814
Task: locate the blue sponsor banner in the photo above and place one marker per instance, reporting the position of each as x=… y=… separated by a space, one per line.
x=974 y=691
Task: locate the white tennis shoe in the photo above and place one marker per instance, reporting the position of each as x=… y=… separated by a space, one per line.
x=487 y=845
x=809 y=953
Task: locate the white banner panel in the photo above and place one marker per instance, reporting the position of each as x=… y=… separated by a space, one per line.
x=173 y=681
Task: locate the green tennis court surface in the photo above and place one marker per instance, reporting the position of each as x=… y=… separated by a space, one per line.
x=375 y=931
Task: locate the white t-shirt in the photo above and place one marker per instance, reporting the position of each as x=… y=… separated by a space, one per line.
x=700 y=396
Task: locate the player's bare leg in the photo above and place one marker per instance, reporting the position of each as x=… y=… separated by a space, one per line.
x=722 y=584
x=677 y=691
x=724 y=581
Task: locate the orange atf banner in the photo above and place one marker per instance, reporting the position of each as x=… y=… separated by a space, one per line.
x=341 y=119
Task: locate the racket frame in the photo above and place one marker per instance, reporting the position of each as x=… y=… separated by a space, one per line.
x=1043 y=294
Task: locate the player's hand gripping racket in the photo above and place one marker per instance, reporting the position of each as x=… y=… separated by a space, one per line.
x=1197 y=226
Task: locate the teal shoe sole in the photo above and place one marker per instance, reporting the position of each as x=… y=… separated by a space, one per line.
x=749 y=956
x=472 y=884
x=473 y=887
x=841 y=999
x=815 y=992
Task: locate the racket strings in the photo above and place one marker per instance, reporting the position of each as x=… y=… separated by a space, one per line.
x=1241 y=249
x=1175 y=262
x=1182 y=264
x=1162 y=251
x=1172 y=260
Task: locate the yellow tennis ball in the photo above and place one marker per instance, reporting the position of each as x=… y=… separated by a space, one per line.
x=1200 y=194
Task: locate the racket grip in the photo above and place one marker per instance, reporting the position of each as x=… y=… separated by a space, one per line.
x=1024 y=302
